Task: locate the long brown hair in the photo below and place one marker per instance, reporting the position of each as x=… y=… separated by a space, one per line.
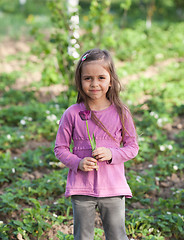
x=113 y=92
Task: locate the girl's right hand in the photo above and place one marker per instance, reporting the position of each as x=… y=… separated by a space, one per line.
x=88 y=164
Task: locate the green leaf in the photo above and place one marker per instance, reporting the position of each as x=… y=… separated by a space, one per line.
x=93 y=142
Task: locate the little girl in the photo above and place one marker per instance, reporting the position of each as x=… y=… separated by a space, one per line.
x=96 y=178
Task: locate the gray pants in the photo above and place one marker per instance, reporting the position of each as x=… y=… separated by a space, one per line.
x=112 y=211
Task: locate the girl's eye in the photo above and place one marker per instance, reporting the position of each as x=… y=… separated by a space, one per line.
x=102 y=77
x=87 y=78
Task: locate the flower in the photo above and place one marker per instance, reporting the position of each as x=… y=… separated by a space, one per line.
x=175 y=167
x=51 y=117
x=22 y=122
x=162 y=148
x=8 y=136
x=85 y=116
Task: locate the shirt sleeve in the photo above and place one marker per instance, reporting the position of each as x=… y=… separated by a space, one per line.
x=130 y=146
x=63 y=141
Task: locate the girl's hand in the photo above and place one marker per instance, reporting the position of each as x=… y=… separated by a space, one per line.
x=88 y=164
x=102 y=154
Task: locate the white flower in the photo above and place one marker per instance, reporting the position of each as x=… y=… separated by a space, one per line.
x=8 y=136
x=77 y=45
x=1 y=222
x=169 y=213
x=138 y=179
x=73 y=41
x=155 y=115
x=76 y=34
x=152 y=113
x=162 y=148
x=29 y=119
x=22 y=137
x=151 y=230
x=22 y=2
x=157 y=178
x=160 y=122
x=175 y=167
x=55 y=215
x=55 y=203
x=48 y=181
x=58 y=122
x=52 y=117
x=23 y=122
x=170 y=147
x=150 y=165
x=13 y=170
x=48 y=112
x=0 y=169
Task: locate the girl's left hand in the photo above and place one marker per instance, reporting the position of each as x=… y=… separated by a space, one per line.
x=102 y=154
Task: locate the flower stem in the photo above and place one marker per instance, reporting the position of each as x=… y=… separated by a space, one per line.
x=89 y=135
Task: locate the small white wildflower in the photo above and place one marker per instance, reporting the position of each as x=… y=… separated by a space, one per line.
x=29 y=119
x=162 y=148
x=73 y=41
x=48 y=181
x=55 y=215
x=157 y=178
x=1 y=222
x=175 y=167
x=151 y=230
x=178 y=155
x=77 y=46
x=15 y=158
x=22 y=136
x=150 y=165
x=169 y=213
x=23 y=122
x=170 y=147
x=13 y=170
x=40 y=161
x=0 y=169
x=179 y=215
x=152 y=113
x=55 y=203
x=8 y=136
x=160 y=122
x=76 y=34
x=138 y=179
x=22 y=2
x=58 y=122
x=48 y=112
x=52 y=117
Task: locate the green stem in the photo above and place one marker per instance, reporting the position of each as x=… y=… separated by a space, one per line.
x=89 y=135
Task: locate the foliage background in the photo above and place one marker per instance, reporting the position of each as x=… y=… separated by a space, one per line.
x=36 y=86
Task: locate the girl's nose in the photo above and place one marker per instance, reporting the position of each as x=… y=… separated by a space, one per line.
x=94 y=82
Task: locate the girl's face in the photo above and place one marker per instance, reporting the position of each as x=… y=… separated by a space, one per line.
x=95 y=81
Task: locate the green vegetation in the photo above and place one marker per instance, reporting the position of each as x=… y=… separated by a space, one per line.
x=150 y=61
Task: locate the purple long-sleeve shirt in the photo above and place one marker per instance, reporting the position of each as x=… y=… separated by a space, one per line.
x=110 y=179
